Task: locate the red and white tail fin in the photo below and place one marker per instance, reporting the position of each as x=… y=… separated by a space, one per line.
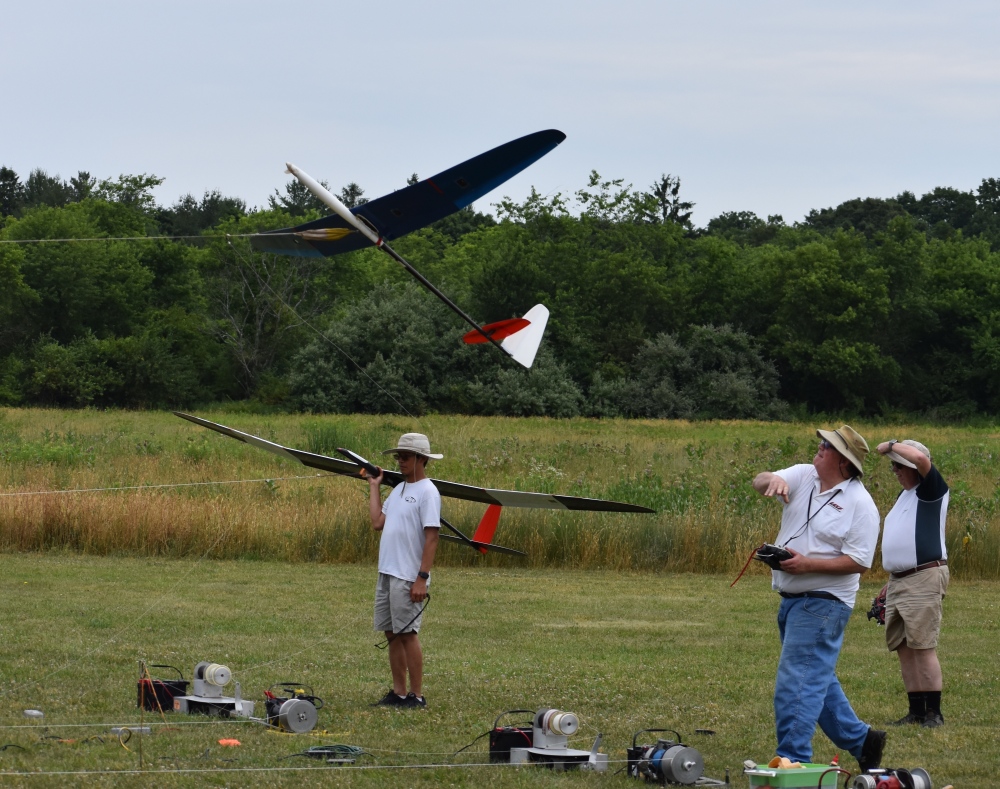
x=523 y=344
x=521 y=336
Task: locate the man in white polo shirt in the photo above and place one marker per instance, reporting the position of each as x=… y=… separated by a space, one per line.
x=830 y=528
x=409 y=521
x=914 y=554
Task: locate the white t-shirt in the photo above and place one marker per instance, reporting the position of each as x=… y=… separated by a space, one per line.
x=409 y=509
x=843 y=521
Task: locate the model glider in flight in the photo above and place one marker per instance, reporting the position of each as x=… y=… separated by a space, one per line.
x=482 y=541
x=394 y=215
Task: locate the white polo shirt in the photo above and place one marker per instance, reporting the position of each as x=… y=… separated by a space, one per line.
x=843 y=521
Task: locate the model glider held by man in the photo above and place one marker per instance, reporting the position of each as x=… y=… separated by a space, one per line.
x=423 y=203
x=482 y=541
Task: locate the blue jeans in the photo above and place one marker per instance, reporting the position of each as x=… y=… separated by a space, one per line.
x=807 y=690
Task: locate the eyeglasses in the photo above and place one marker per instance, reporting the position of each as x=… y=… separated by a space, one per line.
x=824 y=444
x=896 y=466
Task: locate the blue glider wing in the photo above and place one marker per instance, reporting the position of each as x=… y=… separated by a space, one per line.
x=414 y=207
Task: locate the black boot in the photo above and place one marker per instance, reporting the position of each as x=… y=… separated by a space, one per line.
x=871 y=751
x=933 y=718
x=918 y=710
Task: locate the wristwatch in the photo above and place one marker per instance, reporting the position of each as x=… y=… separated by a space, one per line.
x=423 y=575
x=891 y=442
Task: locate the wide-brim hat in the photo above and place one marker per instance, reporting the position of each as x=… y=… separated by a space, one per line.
x=417 y=443
x=849 y=443
x=897 y=458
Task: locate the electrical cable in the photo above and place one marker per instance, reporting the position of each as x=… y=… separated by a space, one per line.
x=165 y=485
x=335 y=751
x=402 y=632
x=120 y=725
x=464 y=747
x=193 y=770
x=126 y=238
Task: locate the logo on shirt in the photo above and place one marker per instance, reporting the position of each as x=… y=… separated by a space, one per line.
x=410 y=499
x=836 y=506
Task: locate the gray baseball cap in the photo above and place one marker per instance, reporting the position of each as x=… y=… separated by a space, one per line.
x=903 y=461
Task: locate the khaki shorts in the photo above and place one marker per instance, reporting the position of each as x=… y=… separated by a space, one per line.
x=394 y=610
x=913 y=609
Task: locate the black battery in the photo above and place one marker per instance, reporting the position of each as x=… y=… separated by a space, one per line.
x=506 y=737
x=503 y=738
x=158 y=694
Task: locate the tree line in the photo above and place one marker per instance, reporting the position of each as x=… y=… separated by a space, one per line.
x=875 y=306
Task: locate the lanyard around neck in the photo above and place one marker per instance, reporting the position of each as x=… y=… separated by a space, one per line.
x=810 y=515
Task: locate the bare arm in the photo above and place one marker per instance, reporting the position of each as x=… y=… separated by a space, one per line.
x=905 y=451
x=419 y=589
x=375 y=502
x=799 y=564
x=767 y=483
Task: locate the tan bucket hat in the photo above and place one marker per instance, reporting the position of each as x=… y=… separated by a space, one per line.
x=417 y=443
x=849 y=443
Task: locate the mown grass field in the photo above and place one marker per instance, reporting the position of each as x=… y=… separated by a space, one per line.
x=624 y=650
x=696 y=475
x=627 y=620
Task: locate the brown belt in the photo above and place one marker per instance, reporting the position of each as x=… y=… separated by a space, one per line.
x=919 y=567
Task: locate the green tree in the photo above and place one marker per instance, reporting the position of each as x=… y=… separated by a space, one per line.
x=130 y=191
x=86 y=286
x=298 y=201
x=42 y=189
x=869 y=215
x=191 y=217
x=11 y=192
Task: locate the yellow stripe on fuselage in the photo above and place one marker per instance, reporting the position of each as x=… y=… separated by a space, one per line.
x=326 y=234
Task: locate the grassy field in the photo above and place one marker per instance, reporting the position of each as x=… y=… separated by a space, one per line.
x=627 y=620
x=696 y=475
x=623 y=650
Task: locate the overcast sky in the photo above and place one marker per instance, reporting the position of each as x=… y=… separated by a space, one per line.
x=773 y=107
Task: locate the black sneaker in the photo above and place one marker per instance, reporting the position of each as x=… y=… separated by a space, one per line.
x=871 y=751
x=390 y=699
x=907 y=720
x=933 y=720
x=413 y=701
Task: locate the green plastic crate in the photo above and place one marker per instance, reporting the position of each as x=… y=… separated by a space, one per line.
x=805 y=776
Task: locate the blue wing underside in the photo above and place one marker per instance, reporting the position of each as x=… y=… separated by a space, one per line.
x=416 y=206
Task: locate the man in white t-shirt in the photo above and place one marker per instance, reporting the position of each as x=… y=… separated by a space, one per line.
x=914 y=554
x=409 y=521
x=830 y=528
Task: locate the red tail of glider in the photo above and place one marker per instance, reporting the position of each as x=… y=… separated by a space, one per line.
x=482 y=540
x=487 y=526
x=521 y=336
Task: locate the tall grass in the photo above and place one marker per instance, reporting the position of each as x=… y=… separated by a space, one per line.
x=696 y=475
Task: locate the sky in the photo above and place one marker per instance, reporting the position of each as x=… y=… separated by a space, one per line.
x=771 y=106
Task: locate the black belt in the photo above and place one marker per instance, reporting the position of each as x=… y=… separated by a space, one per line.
x=820 y=595
x=919 y=567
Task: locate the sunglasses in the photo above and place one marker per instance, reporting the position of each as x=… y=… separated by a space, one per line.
x=896 y=466
x=824 y=444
